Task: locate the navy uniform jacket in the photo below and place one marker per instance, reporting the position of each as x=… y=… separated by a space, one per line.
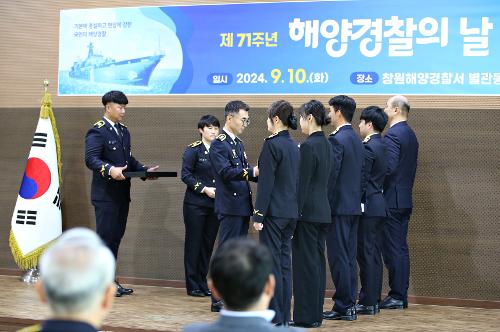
x=58 y=325
x=232 y=173
x=315 y=167
x=197 y=173
x=104 y=149
x=346 y=186
x=402 y=152
x=278 y=176
x=375 y=169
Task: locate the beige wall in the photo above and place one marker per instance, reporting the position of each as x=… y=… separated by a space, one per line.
x=454 y=234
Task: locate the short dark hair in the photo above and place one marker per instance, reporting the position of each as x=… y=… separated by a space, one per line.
x=207 y=121
x=235 y=106
x=345 y=104
x=317 y=110
x=117 y=97
x=239 y=271
x=284 y=111
x=376 y=116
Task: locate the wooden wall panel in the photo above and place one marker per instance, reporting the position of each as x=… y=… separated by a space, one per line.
x=454 y=235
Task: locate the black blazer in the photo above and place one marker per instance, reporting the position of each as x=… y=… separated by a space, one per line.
x=315 y=166
x=104 y=149
x=278 y=176
x=197 y=173
x=402 y=152
x=375 y=169
x=345 y=189
x=232 y=173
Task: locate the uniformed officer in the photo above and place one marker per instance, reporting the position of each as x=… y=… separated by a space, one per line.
x=345 y=200
x=402 y=153
x=233 y=202
x=308 y=243
x=276 y=212
x=108 y=154
x=369 y=255
x=200 y=221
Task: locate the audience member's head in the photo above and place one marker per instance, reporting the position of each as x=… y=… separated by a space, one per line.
x=77 y=277
x=240 y=273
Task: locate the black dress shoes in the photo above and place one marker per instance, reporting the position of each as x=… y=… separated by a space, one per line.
x=305 y=325
x=207 y=292
x=362 y=309
x=350 y=314
x=217 y=306
x=392 y=303
x=196 y=293
x=120 y=290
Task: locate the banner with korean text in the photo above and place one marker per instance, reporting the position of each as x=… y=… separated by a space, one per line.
x=439 y=47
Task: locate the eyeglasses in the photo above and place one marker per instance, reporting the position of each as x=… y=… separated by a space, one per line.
x=245 y=121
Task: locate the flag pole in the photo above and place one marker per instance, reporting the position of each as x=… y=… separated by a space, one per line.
x=32 y=275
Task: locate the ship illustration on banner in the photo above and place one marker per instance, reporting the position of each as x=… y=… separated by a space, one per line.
x=100 y=69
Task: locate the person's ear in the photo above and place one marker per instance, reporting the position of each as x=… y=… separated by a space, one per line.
x=270 y=285
x=215 y=292
x=40 y=291
x=109 y=296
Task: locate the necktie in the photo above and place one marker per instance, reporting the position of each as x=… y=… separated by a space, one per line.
x=118 y=131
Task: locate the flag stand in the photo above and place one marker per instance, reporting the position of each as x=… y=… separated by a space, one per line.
x=31 y=276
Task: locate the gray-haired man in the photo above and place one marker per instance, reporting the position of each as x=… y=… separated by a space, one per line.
x=77 y=281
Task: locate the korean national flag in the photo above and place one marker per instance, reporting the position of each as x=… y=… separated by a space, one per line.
x=36 y=219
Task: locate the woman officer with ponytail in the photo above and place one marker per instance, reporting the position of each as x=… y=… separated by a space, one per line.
x=309 y=267
x=276 y=209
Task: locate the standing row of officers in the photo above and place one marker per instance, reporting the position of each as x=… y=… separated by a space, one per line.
x=352 y=196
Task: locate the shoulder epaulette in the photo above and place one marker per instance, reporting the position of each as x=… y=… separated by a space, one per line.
x=99 y=123
x=271 y=136
x=334 y=132
x=221 y=137
x=195 y=144
x=367 y=139
x=32 y=328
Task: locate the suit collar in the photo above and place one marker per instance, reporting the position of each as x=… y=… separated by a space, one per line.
x=345 y=126
x=400 y=123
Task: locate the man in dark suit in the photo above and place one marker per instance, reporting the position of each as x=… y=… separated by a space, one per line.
x=402 y=152
x=345 y=187
x=233 y=201
x=108 y=154
x=372 y=123
x=79 y=291
x=240 y=273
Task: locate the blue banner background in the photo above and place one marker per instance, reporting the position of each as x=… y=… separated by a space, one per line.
x=189 y=39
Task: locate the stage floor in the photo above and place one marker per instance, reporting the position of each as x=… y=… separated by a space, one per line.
x=169 y=309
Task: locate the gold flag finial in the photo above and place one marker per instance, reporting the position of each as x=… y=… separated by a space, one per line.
x=46 y=84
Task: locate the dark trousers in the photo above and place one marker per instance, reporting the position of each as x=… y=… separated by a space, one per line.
x=232 y=226
x=201 y=226
x=341 y=244
x=395 y=252
x=277 y=236
x=309 y=271
x=370 y=259
x=111 y=220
